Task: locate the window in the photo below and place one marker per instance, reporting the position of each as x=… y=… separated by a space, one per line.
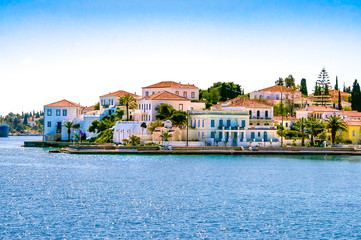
x=150 y=106
x=57 y=112
x=250 y=113
x=228 y=122
x=199 y=123
x=277 y=97
x=49 y=124
x=266 y=114
x=146 y=93
x=185 y=94
x=202 y=123
x=220 y=135
x=49 y=112
x=65 y=112
x=221 y=123
x=212 y=123
x=181 y=107
x=252 y=135
x=213 y=135
x=177 y=93
x=286 y=124
x=353 y=133
x=258 y=114
x=193 y=95
x=243 y=123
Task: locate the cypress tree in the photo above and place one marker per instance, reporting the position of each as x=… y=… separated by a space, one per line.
x=356 y=97
x=304 y=87
x=336 y=86
x=339 y=101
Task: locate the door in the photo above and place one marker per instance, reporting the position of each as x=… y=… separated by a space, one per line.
x=265 y=137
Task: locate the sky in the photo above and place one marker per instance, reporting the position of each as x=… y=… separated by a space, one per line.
x=81 y=49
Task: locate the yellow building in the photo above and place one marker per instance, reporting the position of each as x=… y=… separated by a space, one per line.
x=353 y=131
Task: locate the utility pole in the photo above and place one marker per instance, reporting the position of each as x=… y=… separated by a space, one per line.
x=187 y=126
x=282 y=121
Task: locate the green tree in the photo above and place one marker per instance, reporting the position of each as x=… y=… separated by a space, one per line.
x=179 y=118
x=290 y=81
x=129 y=102
x=165 y=111
x=356 y=97
x=97 y=106
x=336 y=85
x=25 y=122
x=304 y=87
x=155 y=124
x=279 y=82
x=339 y=101
x=134 y=140
x=166 y=136
x=119 y=114
x=69 y=125
x=335 y=123
x=323 y=82
x=301 y=125
x=315 y=126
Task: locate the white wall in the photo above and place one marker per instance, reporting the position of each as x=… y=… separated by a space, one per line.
x=72 y=113
x=123 y=130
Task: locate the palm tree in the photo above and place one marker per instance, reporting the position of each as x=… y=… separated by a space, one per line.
x=335 y=123
x=129 y=102
x=314 y=125
x=301 y=125
x=69 y=126
x=134 y=140
x=166 y=136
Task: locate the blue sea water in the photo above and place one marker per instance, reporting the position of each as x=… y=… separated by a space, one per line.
x=60 y=196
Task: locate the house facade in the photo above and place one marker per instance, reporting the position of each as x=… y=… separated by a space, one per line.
x=189 y=91
x=275 y=93
x=111 y=100
x=319 y=112
x=55 y=115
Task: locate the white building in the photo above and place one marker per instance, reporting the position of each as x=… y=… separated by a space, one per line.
x=148 y=105
x=184 y=90
x=111 y=100
x=229 y=128
x=275 y=93
x=319 y=112
x=55 y=115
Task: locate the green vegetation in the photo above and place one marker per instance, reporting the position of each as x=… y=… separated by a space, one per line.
x=300 y=125
x=315 y=126
x=166 y=136
x=303 y=87
x=220 y=91
x=335 y=123
x=69 y=126
x=134 y=140
x=155 y=124
x=97 y=106
x=31 y=122
x=129 y=102
x=356 y=96
x=167 y=112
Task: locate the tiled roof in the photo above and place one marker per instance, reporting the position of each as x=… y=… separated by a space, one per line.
x=165 y=95
x=241 y=102
x=335 y=92
x=285 y=118
x=120 y=93
x=319 y=109
x=277 y=88
x=353 y=122
x=351 y=114
x=63 y=103
x=171 y=84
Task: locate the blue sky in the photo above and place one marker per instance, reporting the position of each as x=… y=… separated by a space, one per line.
x=79 y=50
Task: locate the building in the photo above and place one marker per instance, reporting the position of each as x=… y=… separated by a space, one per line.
x=288 y=121
x=55 y=115
x=184 y=90
x=319 y=112
x=228 y=128
x=353 y=132
x=276 y=93
x=148 y=105
x=260 y=113
x=351 y=115
x=111 y=100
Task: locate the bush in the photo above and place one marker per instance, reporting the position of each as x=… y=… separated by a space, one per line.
x=347 y=141
x=150 y=144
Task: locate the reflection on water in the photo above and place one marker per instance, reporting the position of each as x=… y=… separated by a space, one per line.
x=74 y=196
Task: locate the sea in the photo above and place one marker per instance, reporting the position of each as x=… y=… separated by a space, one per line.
x=61 y=196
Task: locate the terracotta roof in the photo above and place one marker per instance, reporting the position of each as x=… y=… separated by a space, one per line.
x=319 y=109
x=277 y=88
x=165 y=95
x=63 y=103
x=335 y=92
x=353 y=122
x=285 y=118
x=241 y=102
x=351 y=114
x=171 y=84
x=120 y=93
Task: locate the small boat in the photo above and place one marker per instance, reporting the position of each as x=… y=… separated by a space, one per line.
x=4 y=130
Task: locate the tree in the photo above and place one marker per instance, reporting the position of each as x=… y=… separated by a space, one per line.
x=279 y=82
x=304 y=87
x=143 y=126
x=314 y=125
x=356 y=97
x=323 y=82
x=339 y=101
x=69 y=125
x=134 y=140
x=155 y=124
x=290 y=81
x=119 y=114
x=326 y=92
x=25 y=122
x=221 y=91
x=129 y=102
x=179 y=118
x=97 y=106
x=335 y=123
x=165 y=111
x=166 y=136
x=301 y=125
x=336 y=85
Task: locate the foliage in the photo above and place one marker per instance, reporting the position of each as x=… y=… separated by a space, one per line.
x=97 y=106
x=119 y=113
x=303 y=88
x=179 y=118
x=69 y=125
x=339 y=101
x=347 y=109
x=356 y=97
x=129 y=102
x=315 y=126
x=155 y=124
x=347 y=141
x=18 y=123
x=151 y=144
x=335 y=123
x=105 y=136
x=300 y=125
x=280 y=109
x=134 y=140
x=336 y=85
x=290 y=81
x=166 y=136
x=221 y=91
x=323 y=82
x=279 y=82
x=165 y=111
